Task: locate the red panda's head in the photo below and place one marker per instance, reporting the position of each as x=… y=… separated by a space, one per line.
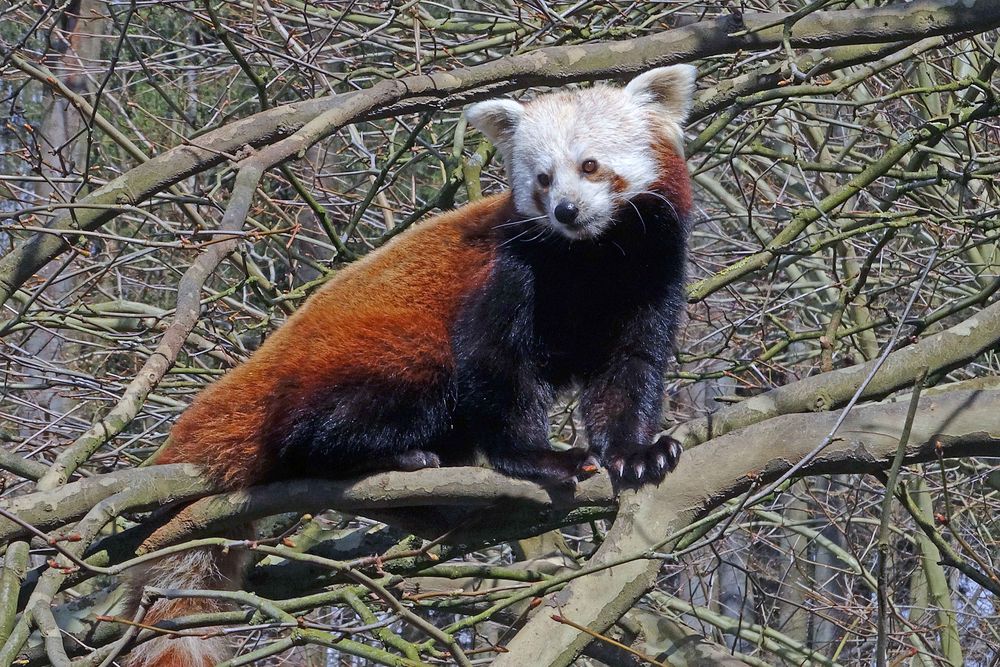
x=575 y=157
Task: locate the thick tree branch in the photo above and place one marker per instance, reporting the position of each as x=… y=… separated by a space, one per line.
x=443 y=487
x=960 y=423
x=547 y=66
x=939 y=353
x=762 y=451
x=47 y=510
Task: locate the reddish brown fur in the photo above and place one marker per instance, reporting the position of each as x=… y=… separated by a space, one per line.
x=180 y=659
x=386 y=316
x=618 y=184
x=179 y=656
x=169 y=609
x=674 y=181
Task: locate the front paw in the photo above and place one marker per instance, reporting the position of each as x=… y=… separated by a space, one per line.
x=637 y=465
x=549 y=467
x=575 y=466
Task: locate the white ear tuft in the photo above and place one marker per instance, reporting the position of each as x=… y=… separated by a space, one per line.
x=671 y=88
x=497 y=119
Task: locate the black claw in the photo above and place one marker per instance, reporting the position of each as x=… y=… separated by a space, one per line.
x=675 y=450
x=635 y=466
x=671 y=450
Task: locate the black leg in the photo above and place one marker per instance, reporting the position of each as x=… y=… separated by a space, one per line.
x=507 y=416
x=503 y=400
x=352 y=430
x=622 y=406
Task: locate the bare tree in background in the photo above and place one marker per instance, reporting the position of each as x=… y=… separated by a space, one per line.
x=177 y=178
x=63 y=151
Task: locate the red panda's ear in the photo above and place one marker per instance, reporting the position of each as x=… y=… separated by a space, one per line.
x=497 y=119
x=670 y=88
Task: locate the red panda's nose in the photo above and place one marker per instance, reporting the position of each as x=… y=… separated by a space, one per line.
x=566 y=212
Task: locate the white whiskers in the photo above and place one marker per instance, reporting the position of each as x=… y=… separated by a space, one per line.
x=530 y=228
x=519 y=221
x=638 y=213
x=673 y=209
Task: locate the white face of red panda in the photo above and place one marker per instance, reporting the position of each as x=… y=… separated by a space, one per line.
x=575 y=157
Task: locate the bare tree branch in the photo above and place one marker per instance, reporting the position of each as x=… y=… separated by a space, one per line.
x=551 y=66
x=733 y=464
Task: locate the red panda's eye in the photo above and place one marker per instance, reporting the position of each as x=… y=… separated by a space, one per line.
x=589 y=166
x=544 y=180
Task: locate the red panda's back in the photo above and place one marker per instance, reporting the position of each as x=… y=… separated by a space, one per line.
x=385 y=317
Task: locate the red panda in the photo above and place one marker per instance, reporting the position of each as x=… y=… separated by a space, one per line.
x=454 y=338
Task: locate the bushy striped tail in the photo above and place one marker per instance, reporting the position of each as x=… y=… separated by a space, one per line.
x=201 y=569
